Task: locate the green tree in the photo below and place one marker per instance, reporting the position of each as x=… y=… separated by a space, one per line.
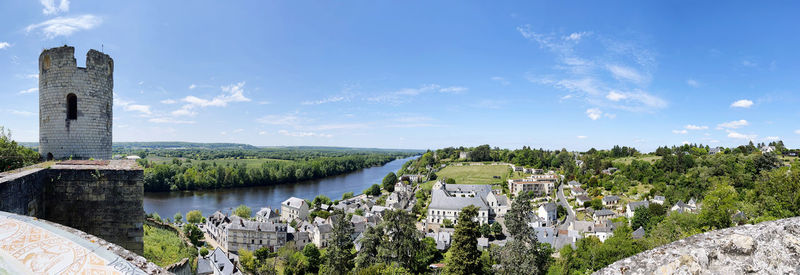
x=178 y=217
x=522 y=254
x=641 y=218
x=313 y=256
x=485 y=230
x=370 y=242
x=347 y=195
x=247 y=259
x=450 y=181
x=561 y=211
x=320 y=200
x=718 y=206
x=243 y=211
x=399 y=227
x=193 y=233
x=374 y=190
x=497 y=229
x=428 y=253
x=388 y=181
x=203 y=252
x=447 y=223
x=464 y=257
x=340 y=255
x=13 y=155
x=262 y=253
x=194 y=216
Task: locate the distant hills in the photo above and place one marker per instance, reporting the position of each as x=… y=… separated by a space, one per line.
x=199 y=145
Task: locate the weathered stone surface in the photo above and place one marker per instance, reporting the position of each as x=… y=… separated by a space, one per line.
x=89 y=135
x=103 y=200
x=765 y=248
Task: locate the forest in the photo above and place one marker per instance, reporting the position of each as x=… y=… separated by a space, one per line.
x=303 y=164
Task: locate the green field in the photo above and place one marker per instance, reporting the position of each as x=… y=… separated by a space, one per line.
x=475 y=174
x=248 y=162
x=164 y=247
x=627 y=160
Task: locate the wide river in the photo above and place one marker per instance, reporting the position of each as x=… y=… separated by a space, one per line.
x=167 y=204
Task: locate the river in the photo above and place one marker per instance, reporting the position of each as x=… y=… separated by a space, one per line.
x=167 y=204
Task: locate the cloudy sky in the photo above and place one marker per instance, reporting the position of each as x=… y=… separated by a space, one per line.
x=420 y=74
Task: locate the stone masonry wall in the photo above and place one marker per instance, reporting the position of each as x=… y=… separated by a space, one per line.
x=103 y=200
x=88 y=136
x=766 y=248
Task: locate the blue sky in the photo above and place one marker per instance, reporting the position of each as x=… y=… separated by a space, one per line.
x=423 y=74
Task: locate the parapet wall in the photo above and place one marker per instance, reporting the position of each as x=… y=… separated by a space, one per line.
x=765 y=248
x=103 y=198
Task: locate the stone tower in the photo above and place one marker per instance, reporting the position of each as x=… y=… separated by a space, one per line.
x=75 y=105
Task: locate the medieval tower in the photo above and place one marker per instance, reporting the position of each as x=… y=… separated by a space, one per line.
x=75 y=105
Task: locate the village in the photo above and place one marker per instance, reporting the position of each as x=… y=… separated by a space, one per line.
x=564 y=213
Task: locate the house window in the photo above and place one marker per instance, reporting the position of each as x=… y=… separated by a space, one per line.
x=72 y=106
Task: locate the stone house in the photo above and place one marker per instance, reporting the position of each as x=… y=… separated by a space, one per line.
x=294 y=209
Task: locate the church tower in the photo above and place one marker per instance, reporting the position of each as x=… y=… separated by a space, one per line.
x=75 y=105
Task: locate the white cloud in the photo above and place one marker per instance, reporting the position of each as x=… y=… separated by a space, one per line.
x=145 y=109
x=261 y=133
x=4 y=45
x=696 y=127
x=331 y=99
x=744 y=103
x=736 y=135
x=51 y=8
x=264 y=102
x=772 y=138
x=453 y=89
x=303 y=134
x=191 y=87
x=680 y=132
x=797 y=131
x=594 y=113
x=615 y=96
x=289 y=119
x=66 y=26
x=20 y=113
x=581 y=137
x=28 y=91
x=626 y=73
x=239 y=130
x=344 y=126
x=230 y=93
x=501 y=80
x=732 y=124
x=693 y=83
x=576 y=36
x=685 y=142
x=170 y=120
x=168 y=101
x=129 y=106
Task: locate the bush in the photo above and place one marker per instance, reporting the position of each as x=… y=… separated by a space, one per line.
x=194 y=216
x=243 y=211
x=13 y=155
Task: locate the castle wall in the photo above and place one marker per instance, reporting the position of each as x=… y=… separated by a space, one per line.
x=89 y=135
x=104 y=200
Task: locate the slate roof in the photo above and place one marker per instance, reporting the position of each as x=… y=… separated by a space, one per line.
x=610 y=198
x=220 y=260
x=267 y=213
x=637 y=204
x=294 y=202
x=638 y=234
x=550 y=207
x=441 y=200
x=242 y=224
x=603 y=212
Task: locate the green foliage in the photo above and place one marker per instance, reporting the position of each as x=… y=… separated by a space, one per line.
x=13 y=155
x=164 y=247
x=347 y=195
x=561 y=211
x=464 y=256
x=396 y=241
x=320 y=200
x=591 y=254
x=450 y=181
x=383 y=269
x=486 y=230
x=340 y=255
x=243 y=211
x=203 y=251
x=374 y=190
x=300 y=165
x=194 y=216
x=313 y=257
x=194 y=234
x=522 y=254
x=595 y=204
x=718 y=206
x=177 y=217
x=388 y=182
x=447 y=223
x=262 y=253
x=497 y=229
x=247 y=260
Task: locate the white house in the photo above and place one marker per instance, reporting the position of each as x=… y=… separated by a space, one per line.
x=603 y=214
x=548 y=212
x=294 y=208
x=610 y=200
x=659 y=200
x=447 y=200
x=581 y=199
x=498 y=203
x=630 y=209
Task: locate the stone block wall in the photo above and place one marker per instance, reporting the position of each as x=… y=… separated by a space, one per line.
x=89 y=135
x=104 y=200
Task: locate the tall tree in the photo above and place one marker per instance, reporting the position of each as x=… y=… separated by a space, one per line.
x=371 y=240
x=340 y=254
x=403 y=242
x=464 y=256
x=388 y=182
x=719 y=205
x=522 y=254
x=243 y=211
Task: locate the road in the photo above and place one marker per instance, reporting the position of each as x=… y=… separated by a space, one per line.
x=563 y=201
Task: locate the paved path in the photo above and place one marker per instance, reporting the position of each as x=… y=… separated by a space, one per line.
x=563 y=201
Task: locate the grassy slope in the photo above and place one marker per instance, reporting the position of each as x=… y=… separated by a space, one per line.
x=627 y=160
x=475 y=174
x=164 y=247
